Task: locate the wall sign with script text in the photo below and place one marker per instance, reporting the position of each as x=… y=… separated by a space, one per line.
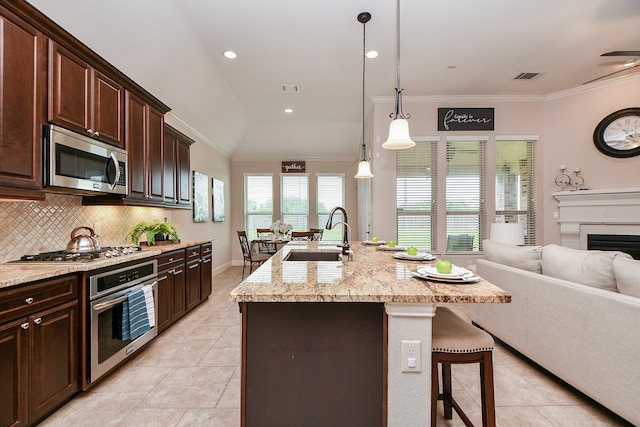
x=465 y=119
x=293 y=167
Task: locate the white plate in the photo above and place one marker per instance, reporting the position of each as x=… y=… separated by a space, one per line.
x=420 y=256
x=456 y=272
x=458 y=280
x=378 y=243
x=387 y=248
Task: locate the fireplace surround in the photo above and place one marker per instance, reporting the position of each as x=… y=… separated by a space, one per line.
x=614 y=213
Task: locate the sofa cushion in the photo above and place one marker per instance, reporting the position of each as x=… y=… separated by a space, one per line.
x=523 y=257
x=591 y=268
x=627 y=274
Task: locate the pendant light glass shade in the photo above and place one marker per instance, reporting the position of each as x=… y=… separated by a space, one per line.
x=364 y=171
x=399 y=138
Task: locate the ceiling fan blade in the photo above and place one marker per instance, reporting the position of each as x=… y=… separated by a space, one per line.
x=622 y=53
x=611 y=74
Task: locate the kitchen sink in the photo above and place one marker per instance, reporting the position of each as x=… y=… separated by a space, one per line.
x=313 y=256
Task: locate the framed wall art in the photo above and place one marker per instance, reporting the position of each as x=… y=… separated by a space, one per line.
x=200 y=197
x=217 y=195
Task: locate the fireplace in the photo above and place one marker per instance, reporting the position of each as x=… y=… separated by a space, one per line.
x=615 y=242
x=585 y=214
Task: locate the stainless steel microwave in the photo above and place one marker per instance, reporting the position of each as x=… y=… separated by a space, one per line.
x=75 y=162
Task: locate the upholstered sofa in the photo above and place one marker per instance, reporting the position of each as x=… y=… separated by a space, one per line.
x=575 y=313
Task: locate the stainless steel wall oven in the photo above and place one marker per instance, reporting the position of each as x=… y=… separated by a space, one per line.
x=111 y=295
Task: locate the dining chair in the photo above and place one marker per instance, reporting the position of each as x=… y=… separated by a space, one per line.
x=317 y=233
x=249 y=257
x=303 y=235
x=265 y=247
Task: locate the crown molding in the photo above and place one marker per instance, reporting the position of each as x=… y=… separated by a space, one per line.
x=180 y=124
x=615 y=81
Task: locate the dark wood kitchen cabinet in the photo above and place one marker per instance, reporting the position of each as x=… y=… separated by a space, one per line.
x=206 y=273
x=39 y=341
x=144 y=139
x=84 y=99
x=194 y=269
x=22 y=107
x=171 y=288
x=177 y=168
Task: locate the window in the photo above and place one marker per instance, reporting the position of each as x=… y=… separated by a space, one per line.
x=295 y=200
x=515 y=185
x=258 y=203
x=465 y=194
x=330 y=195
x=416 y=195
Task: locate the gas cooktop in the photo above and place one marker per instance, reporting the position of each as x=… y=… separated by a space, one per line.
x=64 y=256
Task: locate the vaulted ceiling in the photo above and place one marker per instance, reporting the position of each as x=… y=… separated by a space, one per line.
x=174 y=49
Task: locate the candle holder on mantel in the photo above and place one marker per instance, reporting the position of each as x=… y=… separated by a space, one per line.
x=565 y=181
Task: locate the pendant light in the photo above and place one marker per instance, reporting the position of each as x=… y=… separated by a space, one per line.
x=364 y=170
x=399 y=137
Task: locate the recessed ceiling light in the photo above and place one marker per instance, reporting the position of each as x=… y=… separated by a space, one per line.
x=230 y=54
x=629 y=62
x=288 y=110
x=372 y=54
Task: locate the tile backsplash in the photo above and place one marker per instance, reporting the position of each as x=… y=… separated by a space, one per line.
x=33 y=227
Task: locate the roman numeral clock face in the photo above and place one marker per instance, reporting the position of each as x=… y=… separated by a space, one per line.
x=618 y=134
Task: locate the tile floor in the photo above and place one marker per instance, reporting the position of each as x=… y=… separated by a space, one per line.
x=190 y=376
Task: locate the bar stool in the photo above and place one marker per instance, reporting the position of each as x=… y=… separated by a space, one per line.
x=456 y=341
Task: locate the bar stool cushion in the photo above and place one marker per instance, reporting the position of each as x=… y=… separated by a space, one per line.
x=451 y=334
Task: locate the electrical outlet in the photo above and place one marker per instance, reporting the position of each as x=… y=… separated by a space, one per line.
x=411 y=356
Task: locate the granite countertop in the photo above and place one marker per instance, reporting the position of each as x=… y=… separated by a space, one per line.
x=372 y=276
x=17 y=273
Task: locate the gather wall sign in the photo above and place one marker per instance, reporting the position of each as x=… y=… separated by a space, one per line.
x=293 y=167
x=465 y=119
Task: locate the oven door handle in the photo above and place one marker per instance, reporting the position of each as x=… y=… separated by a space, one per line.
x=103 y=305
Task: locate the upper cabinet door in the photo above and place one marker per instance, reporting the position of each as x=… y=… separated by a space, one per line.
x=108 y=110
x=69 y=90
x=83 y=99
x=22 y=107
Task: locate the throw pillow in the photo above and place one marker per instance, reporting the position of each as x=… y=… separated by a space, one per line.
x=627 y=272
x=591 y=268
x=523 y=257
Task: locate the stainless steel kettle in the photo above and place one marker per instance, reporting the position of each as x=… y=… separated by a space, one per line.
x=83 y=243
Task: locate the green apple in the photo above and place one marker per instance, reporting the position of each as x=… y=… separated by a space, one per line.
x=443 y=266
x=374 y=239
x=391 y=243
x=411 y=250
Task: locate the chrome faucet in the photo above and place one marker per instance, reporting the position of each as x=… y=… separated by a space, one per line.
x=345 y=236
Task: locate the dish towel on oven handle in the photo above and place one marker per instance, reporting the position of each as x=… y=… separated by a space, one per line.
x=135 y=320
x=151 y=309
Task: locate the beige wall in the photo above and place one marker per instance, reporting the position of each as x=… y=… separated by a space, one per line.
x=239 y=168
x=569 y=124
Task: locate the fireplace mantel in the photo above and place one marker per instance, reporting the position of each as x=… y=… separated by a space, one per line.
x=584 y=212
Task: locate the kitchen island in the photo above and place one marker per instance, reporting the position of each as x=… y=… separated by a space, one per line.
x=321 y=340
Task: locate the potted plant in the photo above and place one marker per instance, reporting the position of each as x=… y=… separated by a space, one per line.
x=154 y=231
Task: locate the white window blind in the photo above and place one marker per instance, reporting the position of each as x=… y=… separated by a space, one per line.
x=294 y=202
x=258 y=203
x=330 y=194
x=515 y=185
x=416 y=195
x=465 y=194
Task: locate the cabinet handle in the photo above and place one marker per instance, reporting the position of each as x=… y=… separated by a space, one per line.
x=97 y=134
x=177 y=271
x=206 y=261
x=29 y=300
x=172 y=271
x=37 y=320
x=25 y=325
x=193 y=266
x=89 y=131
x=170 y=259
